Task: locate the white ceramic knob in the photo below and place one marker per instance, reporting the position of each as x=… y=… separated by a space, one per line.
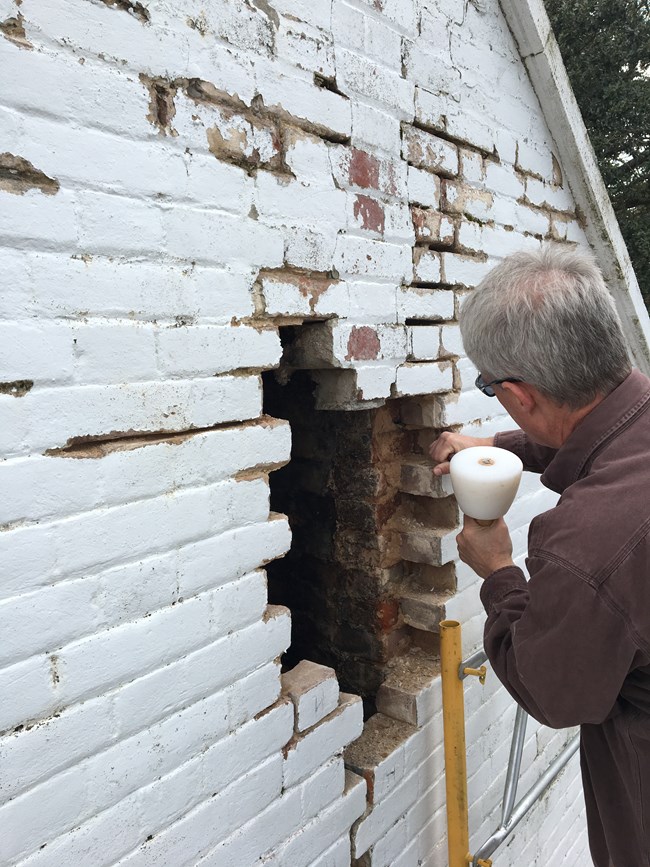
x=485 y=481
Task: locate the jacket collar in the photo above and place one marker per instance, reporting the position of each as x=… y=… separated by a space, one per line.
x=602 y=424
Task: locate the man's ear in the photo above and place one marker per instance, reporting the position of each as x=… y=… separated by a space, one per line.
x=523 y=393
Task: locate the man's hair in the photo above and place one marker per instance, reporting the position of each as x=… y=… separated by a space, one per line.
x=546 y=318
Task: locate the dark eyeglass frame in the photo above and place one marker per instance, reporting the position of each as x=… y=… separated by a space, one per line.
x=486 y=387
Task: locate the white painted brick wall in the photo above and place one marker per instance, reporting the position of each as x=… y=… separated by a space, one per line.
x=141 y=718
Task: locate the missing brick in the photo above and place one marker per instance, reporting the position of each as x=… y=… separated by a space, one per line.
x=18 y=175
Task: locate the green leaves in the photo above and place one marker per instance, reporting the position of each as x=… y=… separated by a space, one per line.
x=605 y=46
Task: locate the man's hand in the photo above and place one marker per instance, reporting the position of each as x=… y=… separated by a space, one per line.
x=485 y=549
x=448 y=443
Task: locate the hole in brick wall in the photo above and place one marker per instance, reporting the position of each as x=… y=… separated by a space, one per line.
x=356 y=602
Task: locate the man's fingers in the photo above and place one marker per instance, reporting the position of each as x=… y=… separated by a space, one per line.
x=442 y=469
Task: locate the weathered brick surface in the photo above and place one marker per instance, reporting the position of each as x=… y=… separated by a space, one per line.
x=196 y=201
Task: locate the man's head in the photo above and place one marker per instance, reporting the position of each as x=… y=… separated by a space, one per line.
x=547 y=319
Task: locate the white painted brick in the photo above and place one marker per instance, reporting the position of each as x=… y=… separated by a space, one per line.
x=464 y=270
x=218 y=238
x=304 y=10
x=147 y=699
x=308 y=247
x=313 y=690
x=425 y=151
x=190 y=838
x=364 y=256
x=301 y=98
x=43 y=554
x=501 y=178
x=424 y=342
x=427 y=266
x=49 y=418
x=451 y=342
x=282 y=819
x=40 y=487
x=141 y=290
x=542 y=194
x=307 y=751
x=22 y=355
x=423 y=303
x=375 y=129
x=35 y=219
x=374 y=380
x=423 y=188
x=278 y=202
x=302 y=850
x=359 y=75
x=472 y=168
x=118 y=352
x=89 y=96
x=28 y=692
x=424 y=378
x=201 y=350
x=305 y=46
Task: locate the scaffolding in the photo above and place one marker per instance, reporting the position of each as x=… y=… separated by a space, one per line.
x=454 y=672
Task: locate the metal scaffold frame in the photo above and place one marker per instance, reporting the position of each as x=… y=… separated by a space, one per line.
x=454 y=671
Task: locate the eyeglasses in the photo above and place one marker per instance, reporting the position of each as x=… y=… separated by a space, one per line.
x=486 y=387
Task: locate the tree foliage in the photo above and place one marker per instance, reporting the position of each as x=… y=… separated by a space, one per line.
x=605 y=46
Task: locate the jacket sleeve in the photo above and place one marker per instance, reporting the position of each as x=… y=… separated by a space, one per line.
x=559 y=649
x=534 y=457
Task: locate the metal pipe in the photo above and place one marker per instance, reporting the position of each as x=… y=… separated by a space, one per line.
x=453 y=714
x=527 y=802
x=514 y=764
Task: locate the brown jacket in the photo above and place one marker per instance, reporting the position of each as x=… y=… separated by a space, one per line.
x=572 y=645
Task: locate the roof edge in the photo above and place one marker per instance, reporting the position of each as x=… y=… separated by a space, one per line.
x=539 y=50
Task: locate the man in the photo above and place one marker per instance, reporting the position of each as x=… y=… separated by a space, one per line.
x=572 y=645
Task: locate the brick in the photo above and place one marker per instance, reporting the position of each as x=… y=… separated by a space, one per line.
x=464 y=270
x=310 y=749
x=50 y=222
x=375 y=129
x=216 y=238
x=424 y=303
x=113 y=100
x=432 y=227
x=365 y=77
x=365 y=171
x=424 y=378
x=426 y=266
x=423 y=342
x=374 y=381
x=458 y=198
x=50 y=417
x=426 y=151
x=501 y=178
x=416 y=477
x=314 y=691
x=140 y=290
x=277 y=200
x=423 y=188
x=282 y=819
x=422 y=545
x=325 y=111
x=372 y=258
x=209 y=350
x=412 y=691
x=104 y=538
x=304 y=848
x=22 y=357
x=298 y=294
x=305 y=46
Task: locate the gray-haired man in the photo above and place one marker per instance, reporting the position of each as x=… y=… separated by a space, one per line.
x=573 y=644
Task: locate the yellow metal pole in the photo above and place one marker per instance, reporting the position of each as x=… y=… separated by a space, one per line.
x=453 y=714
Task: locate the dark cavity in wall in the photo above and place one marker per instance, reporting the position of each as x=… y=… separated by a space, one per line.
x=344 y=577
